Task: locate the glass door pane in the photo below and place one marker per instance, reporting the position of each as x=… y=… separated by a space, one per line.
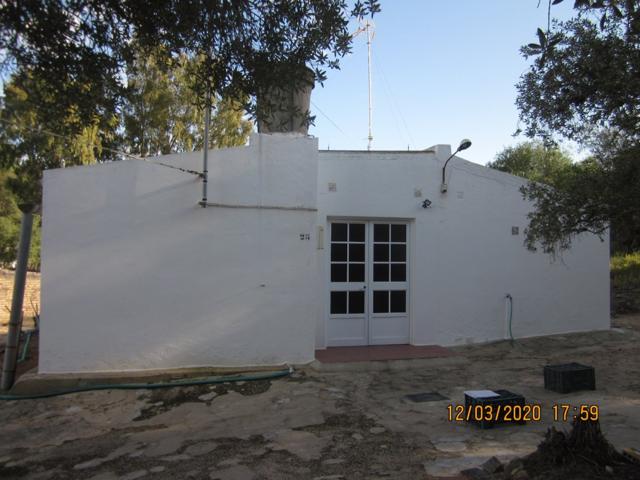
x=348 y=284
x=389 y=271
x=348 y=253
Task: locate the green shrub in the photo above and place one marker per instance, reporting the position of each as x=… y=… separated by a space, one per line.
x=626 y=270
x=10 y=218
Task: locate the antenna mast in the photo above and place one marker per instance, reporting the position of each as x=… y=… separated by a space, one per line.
x=369 y=37
x=368 y=29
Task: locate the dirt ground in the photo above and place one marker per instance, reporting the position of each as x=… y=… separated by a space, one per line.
x=322 y=425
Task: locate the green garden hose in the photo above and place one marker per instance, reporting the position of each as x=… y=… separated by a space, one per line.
x=25 y=348
x=510 y=298
x=140 y=386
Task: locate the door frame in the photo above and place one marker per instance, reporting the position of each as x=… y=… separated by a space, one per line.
x=410 y=222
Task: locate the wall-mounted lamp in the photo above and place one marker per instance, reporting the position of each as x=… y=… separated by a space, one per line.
x=464 y=144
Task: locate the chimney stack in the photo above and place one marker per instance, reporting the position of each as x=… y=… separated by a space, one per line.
x=284 y=109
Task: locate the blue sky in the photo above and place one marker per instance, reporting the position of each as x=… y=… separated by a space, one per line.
x=442 y=71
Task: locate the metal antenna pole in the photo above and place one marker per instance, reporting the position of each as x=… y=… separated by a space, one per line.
x=368 y=30
x=367 y=24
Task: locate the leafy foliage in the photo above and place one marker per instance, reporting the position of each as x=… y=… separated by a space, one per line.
x=10 y=217
x=532 y=160
x=79 y=89
x=156 y=102
x=245 y=45
x=69 y=60
x=36 y=135
x=161 y=117
x=591 y=196
x=584 y=85
x=569 y=92
x=626 y=269
x=572 y=206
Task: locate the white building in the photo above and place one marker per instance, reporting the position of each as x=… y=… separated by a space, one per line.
x=298 y=250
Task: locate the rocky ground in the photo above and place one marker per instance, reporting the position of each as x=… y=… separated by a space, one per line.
x=324 y=425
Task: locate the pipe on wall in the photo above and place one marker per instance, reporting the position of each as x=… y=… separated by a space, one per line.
x=509 y=316
x=205 y=158
x=11 y=349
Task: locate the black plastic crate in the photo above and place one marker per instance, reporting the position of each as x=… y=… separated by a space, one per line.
x=569 y=377
x=505 y=397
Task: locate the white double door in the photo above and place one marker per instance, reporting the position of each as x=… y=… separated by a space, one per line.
x=368 y=283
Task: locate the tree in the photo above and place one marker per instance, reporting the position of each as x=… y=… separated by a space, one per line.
x=532 y=160
x=161 y=117
x=598 y=194
x=245 y=46
x=67 y=62
x=42 y=127
x=157 y=102
x=571 y=92
x=76 y=52
x=10 y=217
x=28 y=146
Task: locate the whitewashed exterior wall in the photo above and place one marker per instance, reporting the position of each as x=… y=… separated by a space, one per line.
x=137 y=276
x=463 y=256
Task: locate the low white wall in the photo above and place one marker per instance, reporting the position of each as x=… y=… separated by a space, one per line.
x=136 y=275
x=464 y=258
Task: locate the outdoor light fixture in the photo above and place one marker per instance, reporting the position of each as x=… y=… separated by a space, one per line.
x=464 y=144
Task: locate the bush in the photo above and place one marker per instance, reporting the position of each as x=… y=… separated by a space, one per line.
x=10 y=218
x=626 y=270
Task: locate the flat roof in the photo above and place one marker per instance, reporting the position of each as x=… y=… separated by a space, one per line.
x=427 y=150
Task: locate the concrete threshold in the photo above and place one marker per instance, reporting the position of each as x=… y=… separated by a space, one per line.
x=33 y=383
x=389 y=365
